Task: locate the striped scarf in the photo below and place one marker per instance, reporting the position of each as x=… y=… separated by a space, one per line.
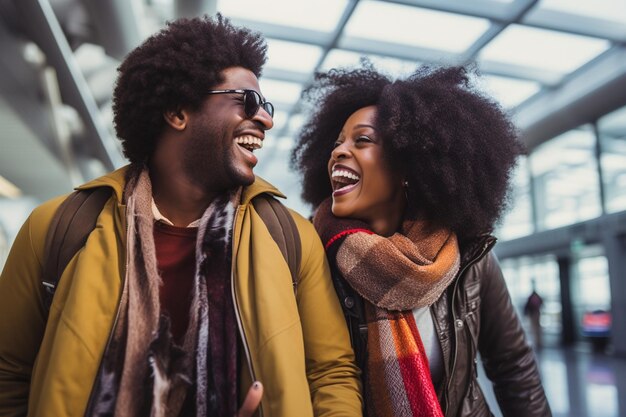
x=394 y=275
x=144 y=372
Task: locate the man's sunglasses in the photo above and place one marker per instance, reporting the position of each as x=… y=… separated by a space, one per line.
x=251 y=101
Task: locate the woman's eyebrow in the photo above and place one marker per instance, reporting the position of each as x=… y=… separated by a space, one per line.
x=364 y=125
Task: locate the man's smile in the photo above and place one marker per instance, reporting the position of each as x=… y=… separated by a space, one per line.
x=249 y=142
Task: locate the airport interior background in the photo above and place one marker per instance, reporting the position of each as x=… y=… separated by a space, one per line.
x=557 y=66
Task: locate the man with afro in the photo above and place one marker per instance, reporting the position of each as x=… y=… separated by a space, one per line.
x=180 y=303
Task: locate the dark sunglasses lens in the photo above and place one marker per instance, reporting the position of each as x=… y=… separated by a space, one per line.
x=269 y=108
x=252 y=103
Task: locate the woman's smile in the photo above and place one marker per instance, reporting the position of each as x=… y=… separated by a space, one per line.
x=343 y=179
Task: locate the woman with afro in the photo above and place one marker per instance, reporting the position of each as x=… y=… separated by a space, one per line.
x=407 y=179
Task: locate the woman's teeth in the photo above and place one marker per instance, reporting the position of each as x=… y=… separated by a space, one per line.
x=340 y=174
x=343 y=179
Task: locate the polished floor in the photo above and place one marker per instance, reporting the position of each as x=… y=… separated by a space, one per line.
x=578 y=382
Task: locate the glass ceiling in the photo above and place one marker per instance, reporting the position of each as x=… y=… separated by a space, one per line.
x=319 y=15
x=414 y=26
x=293 y=56
x=542 y=49
x=519 y=60
x=523 y=48
x=611 y=10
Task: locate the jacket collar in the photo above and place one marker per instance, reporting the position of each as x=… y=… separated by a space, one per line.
x=475 y=249
x=117 y=180
x=259 y=186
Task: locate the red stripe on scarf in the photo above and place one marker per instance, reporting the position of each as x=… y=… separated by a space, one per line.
x=345 y=233
x=414 y=368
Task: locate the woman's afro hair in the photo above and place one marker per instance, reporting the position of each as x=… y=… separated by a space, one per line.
x=172 y=70
x=454 y=145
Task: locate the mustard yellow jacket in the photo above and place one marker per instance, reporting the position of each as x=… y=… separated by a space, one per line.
x=296 y=345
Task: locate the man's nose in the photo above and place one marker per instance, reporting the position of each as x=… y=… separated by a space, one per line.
x=264 y=118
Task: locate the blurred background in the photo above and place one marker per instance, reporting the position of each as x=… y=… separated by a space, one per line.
x=557 y=66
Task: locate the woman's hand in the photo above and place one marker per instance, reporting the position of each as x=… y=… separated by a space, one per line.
x=252 y=401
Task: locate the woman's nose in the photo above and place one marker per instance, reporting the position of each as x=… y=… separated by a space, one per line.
x=340 y=152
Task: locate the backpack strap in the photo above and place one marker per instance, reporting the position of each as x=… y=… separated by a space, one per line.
x=354 y=314
x=284 y=231
x=71 y=225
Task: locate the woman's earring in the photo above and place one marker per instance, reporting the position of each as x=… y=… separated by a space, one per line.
x=405 y=185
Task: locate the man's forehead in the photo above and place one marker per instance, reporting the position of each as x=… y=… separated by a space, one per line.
x=239 y=78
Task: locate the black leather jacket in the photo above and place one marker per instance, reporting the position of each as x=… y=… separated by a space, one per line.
x=474 y=315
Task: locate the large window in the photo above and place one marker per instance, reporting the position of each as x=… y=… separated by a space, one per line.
x=612 y=132
x=518 y=220
x=543 y=271
x=566 y=181
x=591 y=289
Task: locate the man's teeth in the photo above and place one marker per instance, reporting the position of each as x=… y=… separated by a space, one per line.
x=249 y=142
x=340 y=174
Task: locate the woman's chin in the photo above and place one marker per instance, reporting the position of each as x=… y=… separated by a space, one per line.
x=341 y=210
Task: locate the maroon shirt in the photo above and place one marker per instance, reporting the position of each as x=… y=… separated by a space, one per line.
x=176 y=260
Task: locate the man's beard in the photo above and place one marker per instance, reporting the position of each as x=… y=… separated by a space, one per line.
x=209 y=160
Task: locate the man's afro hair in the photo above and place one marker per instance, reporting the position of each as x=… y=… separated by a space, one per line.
x=172 y=70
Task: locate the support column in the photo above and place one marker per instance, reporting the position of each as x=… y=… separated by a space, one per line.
x=568 y=335
x=615 y=250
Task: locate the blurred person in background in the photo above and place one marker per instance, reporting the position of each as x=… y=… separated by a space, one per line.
x=532 y=310
x=407 y=178
x=180 y=299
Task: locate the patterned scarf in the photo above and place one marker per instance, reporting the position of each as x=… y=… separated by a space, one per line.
x=395 y=274
x=143 y=371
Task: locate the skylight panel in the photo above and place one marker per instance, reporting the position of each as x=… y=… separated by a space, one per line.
x=282 y=94
x=292 y=56
x=320 y=15
x=614 y=123
x=543 y=49
x=338 y=58
x=612 y=10
x=414 y=26
x=509 y=92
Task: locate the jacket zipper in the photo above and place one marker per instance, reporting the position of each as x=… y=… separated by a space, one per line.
x=486 y=247
x=117 y=316
x=244 y=341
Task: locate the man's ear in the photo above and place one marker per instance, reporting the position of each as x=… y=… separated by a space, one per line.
x=177 y=119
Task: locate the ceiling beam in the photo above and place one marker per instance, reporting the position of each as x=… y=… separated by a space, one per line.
x=40 y=25
x=194 y=8
x=593 y=91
